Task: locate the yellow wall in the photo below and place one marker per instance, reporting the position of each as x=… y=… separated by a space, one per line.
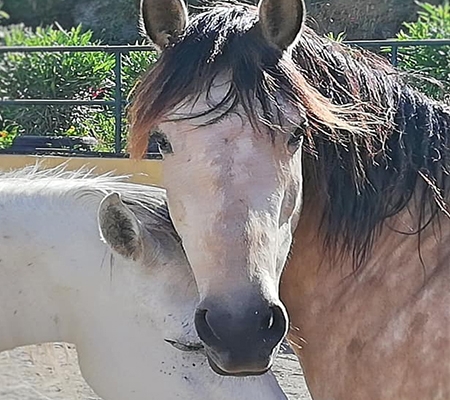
x=144 y=171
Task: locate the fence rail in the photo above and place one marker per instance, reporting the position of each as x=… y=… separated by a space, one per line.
x=118 y=102
x=395 y=45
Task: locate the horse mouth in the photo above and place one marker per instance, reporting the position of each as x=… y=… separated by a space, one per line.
x=186 y=347
x=221 y=372
x=198 y=347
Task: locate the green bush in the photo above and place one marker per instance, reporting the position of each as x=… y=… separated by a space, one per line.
x=83 y=76
x=429 y=67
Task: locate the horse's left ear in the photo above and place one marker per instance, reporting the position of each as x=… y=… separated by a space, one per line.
x=163 y=19
x=282 y=20
x=119 y=227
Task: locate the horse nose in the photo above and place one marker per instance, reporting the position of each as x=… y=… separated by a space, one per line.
x=244 y=343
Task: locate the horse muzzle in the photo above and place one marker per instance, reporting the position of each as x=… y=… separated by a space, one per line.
x=244 y=344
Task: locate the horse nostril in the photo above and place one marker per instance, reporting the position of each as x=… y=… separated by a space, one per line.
x=275 y=324
x=204 y=330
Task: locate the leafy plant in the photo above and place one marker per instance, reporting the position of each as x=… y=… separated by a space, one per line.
x=7 y=136
x=340 y=37
x=133 y=65
x=429 y=66
x=51 y=76
x=63 y=75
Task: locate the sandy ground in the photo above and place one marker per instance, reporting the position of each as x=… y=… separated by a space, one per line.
x=50 y=372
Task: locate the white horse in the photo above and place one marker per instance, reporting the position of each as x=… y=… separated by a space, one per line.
x=125 y=296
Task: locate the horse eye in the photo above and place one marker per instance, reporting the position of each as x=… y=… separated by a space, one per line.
x=159 y=143
x=295 y=140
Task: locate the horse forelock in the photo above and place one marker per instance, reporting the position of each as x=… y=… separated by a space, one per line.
x=371 y=140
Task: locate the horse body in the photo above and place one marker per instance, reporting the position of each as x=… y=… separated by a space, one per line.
x=379 y=333
x=271 y=116
x=127 y=304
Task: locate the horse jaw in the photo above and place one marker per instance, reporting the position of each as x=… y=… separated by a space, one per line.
x=234 y=196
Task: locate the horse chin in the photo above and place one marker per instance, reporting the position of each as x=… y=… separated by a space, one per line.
x=221 y=372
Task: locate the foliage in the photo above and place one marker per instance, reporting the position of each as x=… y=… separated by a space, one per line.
x=429 y=66
x=51 y=76
x=340 y=37
x=81 y=76
x=7 y=136
x=133 y=65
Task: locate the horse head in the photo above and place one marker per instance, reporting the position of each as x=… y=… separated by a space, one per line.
x=234 y=179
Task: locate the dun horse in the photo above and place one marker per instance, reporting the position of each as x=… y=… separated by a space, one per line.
x=126 y=304
x=283 y=138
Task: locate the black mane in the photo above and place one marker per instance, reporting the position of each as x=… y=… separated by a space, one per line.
x=368 y=179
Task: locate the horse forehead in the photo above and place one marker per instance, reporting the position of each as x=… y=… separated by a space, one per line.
x=231 y=137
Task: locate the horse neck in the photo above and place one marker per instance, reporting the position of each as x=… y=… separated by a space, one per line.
x=392 y=292
x=52 y=261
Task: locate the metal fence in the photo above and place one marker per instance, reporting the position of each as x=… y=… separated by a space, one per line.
x=118 y=102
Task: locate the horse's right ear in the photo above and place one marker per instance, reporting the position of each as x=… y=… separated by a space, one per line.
x=119 y=227
x=282 y=21
x=163 y=20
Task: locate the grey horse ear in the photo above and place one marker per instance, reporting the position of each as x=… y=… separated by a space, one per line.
x=163 y=20
x=119 y=227
x=282 y=21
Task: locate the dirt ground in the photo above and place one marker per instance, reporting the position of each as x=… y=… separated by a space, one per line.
x=50 y=372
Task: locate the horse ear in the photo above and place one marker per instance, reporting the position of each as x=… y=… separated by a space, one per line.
x=281 y=20
x=119 y=227
x=163 y=19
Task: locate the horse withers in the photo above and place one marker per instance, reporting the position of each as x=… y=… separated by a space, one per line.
x=96 y=262
x=281 y=137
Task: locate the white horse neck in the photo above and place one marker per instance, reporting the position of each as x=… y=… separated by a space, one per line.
x=48 y=262
x=57 y=277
